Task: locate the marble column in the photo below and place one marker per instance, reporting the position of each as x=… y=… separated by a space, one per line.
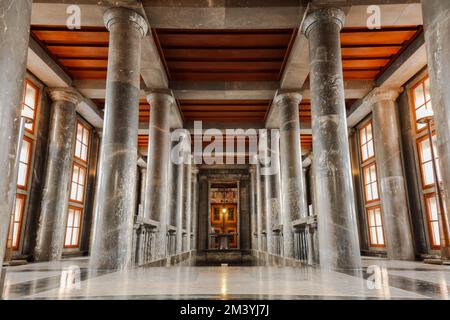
x=194 y=208
x=272 y=188
x=305 y=192
x=55 y=195
x=143 y=179
x=267 y=180
x=114 y=212
x=393 y=196
x=14 y=34
x=187 y=196
x=291 y=166
x=179 y=206
x=254 y=212
x=203 y=212
x=263 y=211
x=156 y=198
x=338 y=235
x=259 y=204
x=436 y=18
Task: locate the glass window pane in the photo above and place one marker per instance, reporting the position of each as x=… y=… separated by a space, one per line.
x=74 y=237
x=428 y=176
x=70 y=218
x=427 y=89
x=369 y=193
x=378 y=217
x=435 y=235
x=365 y=154
x=425 y=150
x=370 y=152
x=68 y=236
x=419 y=97
x=380 y=235
x=78 y=149
x=369 y=131
x=24 y=151
x=363 y=136
x=30 y=96
x=80 y=193
x=433 y=207
x=85 y=137
x=22 y=175
x=371 y=218
x=373 y=174
x=375 y=191
x=77 y=218
x=373 y=236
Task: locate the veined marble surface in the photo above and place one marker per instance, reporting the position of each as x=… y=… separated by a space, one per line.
x=398 y=280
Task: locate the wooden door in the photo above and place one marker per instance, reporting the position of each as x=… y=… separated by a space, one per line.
x=224 y=220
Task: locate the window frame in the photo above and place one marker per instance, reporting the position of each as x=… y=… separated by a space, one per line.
x=77 y=245
x=30 y=161
x=363 y=145
x=429 y=221
x=36 y=103
x=365 y=184
x=420 y=82
x=369 y=227
x=421 y=163
x=85 y=129
x=10 y=240
x=75 y=164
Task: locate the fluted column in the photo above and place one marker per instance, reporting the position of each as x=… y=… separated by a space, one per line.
x=259 y=205
x=436 y=20
x=14 y=34
x=253 y=212
x=338 y=235
x=388 y=155
x=112 y=243
x=291 y=166
x=55 y=196
x=143 y=186
x=187 y=194
x=156 y=198
x=194 y=206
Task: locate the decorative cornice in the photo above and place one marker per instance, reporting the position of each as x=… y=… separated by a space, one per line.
x=65 y=94
x=334 y=15
x=124 y=15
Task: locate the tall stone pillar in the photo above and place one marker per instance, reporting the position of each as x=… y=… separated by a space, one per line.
x=272 y=188
x=55 y=197
x=394 y=201
x=291 y=166
x=179 y=206
x=14 y=35
x=436 y=18
x=305 y=208
x=156 y=198
x=267 y=180
x=259 y=205
x=187 y=196
x=112 y=243
x=143 y=179
x=253 y=211
x=338 y=235
x=194 y=206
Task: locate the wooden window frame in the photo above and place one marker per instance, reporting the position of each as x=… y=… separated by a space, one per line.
x=88 y=132
x=373 y=164
x=30 y=160
x=364 y=145
x=420 y=82
x=74 y=164
x=369 y=227
x=36 y=103
x=10 y=241
x=419 y=153
x=80 y=210
x=428 y=215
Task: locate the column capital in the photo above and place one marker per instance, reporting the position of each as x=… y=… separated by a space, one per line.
x=382 y=94
x=284 y=97
x=160 y=94
x=124 y=15
x=334 y=15
x=65 y=94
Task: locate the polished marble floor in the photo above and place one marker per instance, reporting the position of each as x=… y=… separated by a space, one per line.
x=379 y=279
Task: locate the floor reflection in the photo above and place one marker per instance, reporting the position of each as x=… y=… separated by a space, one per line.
x=378 y=279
